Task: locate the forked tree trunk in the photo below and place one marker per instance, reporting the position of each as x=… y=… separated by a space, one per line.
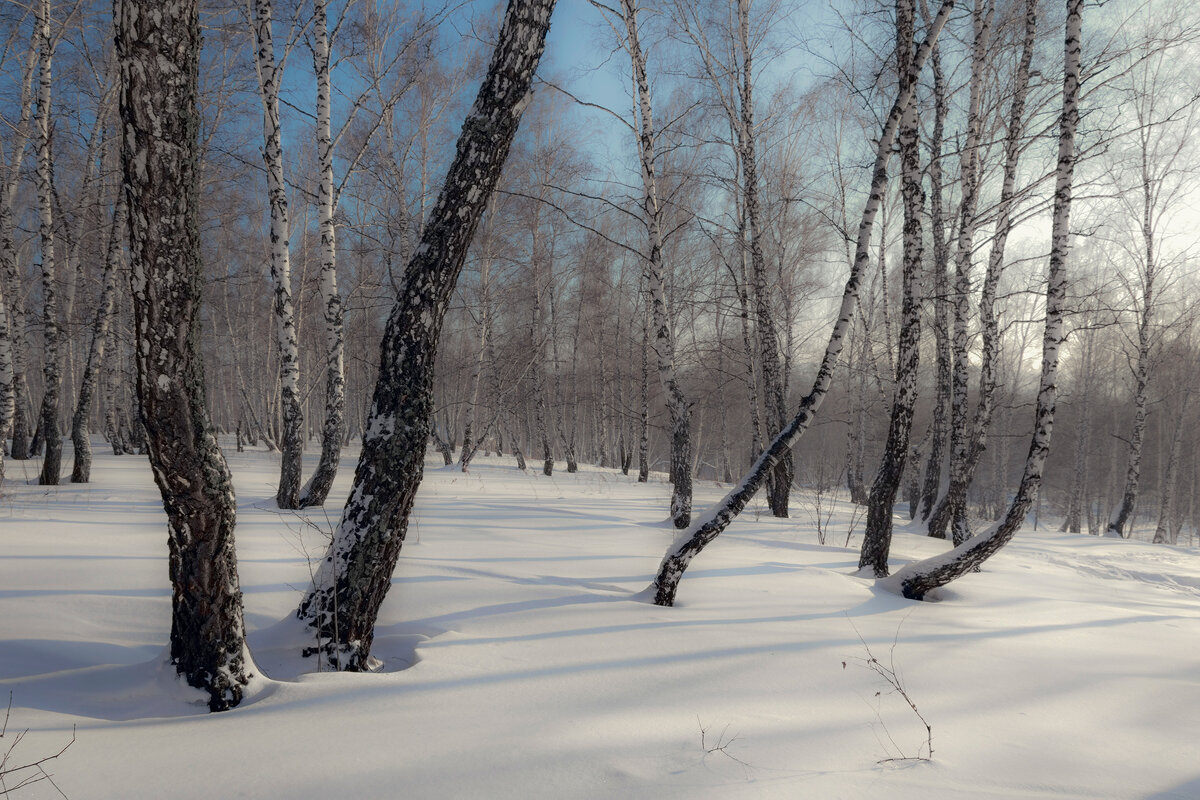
x=158 y=47
x=877 y=536
x=963 y=456
x=343 y=602
x=916 y=580
x=689 y=543
x=291 y=438
x=317 y=489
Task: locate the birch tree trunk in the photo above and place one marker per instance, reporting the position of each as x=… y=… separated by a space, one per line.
x=291 y=439
x=82 y=467
x=664 y=338
x=12 y=326
x=317 y=489
x=158 y=48
x=768 y=337
x=968 y=449
x=916 y=580
x=343 y=602
x=877 y=537
x=935 y=464
x=689 y=543
x=51 y=436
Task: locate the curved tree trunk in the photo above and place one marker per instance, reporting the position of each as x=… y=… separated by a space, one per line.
x=689 y=543
x=916 y=580
x=343 y=602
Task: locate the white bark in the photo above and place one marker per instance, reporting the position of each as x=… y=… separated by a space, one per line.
x=270 y=73
x=916 y=580
x=690 y=542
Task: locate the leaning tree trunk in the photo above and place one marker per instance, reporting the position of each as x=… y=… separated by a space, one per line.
x=158 y=47
x=343 y=602
x=52 y=438
x=689 y=543
x=291 y=439
x=664 y=339
x=82 y=466
x=916 y=580
x=877 y=537
x=317 y=489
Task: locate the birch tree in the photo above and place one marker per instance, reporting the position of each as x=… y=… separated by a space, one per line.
x=678 y=405
x=1160 y=162
x=158 y=50
x=291 y=442
x=51 y=368
x=916 y=580
x=878 y=533
x=12 y=316
x=690 y=542
x=343 y=601
x=82 y=464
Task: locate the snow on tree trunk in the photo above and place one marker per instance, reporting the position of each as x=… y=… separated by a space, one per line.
x=689 y=543
x=916 y=580
x=877 y=537
x=291 y=440
x=343 y=602
x=317 y=489
x=82 y=467
x=664 y=338
x=158 y=48
x=51 y=437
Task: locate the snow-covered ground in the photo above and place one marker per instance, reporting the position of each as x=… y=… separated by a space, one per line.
x=518 y=663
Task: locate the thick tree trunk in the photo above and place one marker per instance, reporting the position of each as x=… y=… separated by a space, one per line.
x=317 y=489
x=916 y=580
x=689 y=543
x=343 y=602
x=877 y=537
x=158 y=48
x=291 y=438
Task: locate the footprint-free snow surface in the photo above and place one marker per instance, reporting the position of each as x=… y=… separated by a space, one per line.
x=520 y=660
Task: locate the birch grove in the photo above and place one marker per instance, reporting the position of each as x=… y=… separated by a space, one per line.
x=632 y=259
